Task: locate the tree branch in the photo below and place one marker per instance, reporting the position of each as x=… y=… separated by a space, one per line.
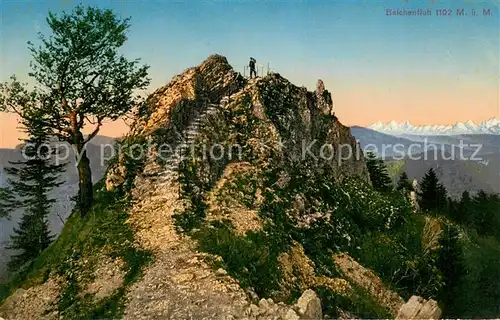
x=95 y=132
x=61 y=88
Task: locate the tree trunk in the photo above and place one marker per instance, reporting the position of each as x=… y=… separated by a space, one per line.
x=85 y=181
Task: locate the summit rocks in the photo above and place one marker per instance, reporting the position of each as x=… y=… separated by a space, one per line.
x=196 y=87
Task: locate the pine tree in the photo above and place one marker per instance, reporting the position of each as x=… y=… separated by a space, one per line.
x=378 y=173
x=432 y=193
x=31 y=180
x=463 y=213
x=486 y=214
x=404 y=183
x=451 y=263
x=450 y=207
x=7 y=200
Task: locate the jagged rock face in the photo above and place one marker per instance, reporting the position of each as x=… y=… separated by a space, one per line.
x=275 y=122
x=197 y=86
x=275 y=119
x=419 y=308
x=297 y=126
x=324 y=98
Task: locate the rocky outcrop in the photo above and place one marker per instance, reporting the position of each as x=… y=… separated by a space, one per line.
x=419 y=308
x=323 y=99
x=369 y=281
x=308 y=306
x=280 y=120
x=188 y=93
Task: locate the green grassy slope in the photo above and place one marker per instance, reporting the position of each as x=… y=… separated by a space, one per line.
x=76 y=252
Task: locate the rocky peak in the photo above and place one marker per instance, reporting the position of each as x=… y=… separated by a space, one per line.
x=298 y=122
x=196 y=87
x=323 y=98
x=303 y=124
x=279 y=126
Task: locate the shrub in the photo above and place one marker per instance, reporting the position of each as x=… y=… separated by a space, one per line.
x=401 y=261
x=253 y=258
x=451 y=263
x=358 y=303
x=478 y=291
x=104 y=231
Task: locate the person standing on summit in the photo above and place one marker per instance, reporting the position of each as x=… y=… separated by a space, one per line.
x=252 y=67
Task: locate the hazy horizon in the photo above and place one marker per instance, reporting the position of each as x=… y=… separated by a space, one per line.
x=424 y=69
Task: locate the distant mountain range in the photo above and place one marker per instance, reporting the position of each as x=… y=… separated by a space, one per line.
x=417 y=153
x=386 y=145
x=490 y=126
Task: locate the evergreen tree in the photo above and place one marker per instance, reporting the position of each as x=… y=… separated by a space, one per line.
x=450 y=207
x=495 y=216
x=451 y=263
x=7 y=200
x=31 y=180
x=404 y=183
x=378 y=173
x=432 y=193
x=486 y=214
x=463 y=212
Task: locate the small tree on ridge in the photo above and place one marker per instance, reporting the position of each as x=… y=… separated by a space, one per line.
x=83 y=79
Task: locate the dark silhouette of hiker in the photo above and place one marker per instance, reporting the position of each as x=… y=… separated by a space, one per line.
x=252 y=67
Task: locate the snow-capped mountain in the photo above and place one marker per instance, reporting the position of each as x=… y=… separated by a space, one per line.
x=490 y=126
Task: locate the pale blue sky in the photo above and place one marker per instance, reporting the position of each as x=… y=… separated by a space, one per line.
x=305 y=39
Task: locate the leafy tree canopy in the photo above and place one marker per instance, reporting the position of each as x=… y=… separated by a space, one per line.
x=81 y=72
